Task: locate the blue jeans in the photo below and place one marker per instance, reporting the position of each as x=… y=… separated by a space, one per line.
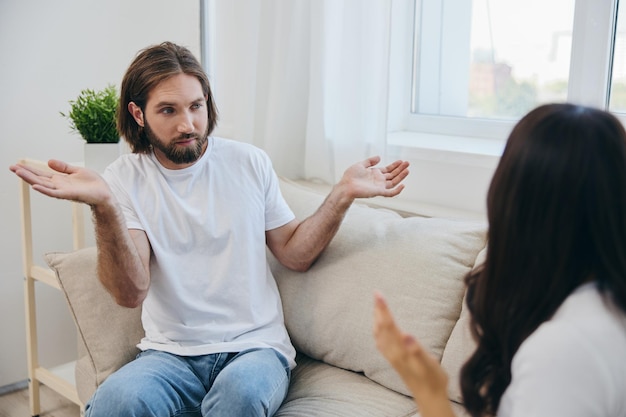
x=249 y=383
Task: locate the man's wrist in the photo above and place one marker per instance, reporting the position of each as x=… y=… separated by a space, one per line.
x=105 y=207
x=342 y=195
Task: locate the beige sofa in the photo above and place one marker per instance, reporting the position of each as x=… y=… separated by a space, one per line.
x=417 y=263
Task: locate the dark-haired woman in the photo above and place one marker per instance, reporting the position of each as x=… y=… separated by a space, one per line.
x=548 y=306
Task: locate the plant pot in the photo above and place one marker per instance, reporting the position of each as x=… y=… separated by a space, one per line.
x=99 y=155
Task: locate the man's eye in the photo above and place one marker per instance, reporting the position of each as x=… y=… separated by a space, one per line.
x=197 y=106
x=167 y=110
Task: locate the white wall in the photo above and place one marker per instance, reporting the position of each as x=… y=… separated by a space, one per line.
x=50 y=51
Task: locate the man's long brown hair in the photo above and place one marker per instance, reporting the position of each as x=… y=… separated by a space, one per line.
x=557 y=218
x=151 y=66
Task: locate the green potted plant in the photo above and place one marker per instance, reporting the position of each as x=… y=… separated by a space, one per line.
x=92 y=115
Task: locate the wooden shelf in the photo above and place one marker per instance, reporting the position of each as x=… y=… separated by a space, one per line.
x=60 y=378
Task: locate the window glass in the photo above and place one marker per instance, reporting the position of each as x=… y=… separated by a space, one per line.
x=617 y=100
x=494 y=59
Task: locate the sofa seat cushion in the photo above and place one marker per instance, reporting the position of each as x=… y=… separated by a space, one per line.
x=319 y=389
x=418 y=264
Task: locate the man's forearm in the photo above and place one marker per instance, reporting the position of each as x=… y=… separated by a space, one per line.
x=315 y=232
x=297 y=247
x=120 y=266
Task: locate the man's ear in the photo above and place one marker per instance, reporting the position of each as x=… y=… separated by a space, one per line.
x=136 y=112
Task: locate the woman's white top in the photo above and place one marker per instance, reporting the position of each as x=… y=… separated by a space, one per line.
x=573 y=365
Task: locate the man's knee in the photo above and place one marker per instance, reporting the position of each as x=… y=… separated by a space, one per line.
x=254 y=383
x=116 y=399
x=235 y=399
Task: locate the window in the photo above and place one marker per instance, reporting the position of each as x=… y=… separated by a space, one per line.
x=476 y=58
x=617 y=102
x=476 y=66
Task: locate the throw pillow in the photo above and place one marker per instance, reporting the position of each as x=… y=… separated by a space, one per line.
x=417 y=263
x=108 y=333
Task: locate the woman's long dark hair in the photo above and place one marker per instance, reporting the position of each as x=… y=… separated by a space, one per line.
x=557 y=218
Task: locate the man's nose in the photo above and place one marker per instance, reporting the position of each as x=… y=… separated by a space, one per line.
x=185 y=124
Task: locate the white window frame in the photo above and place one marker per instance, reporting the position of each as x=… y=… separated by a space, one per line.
x=589 y=78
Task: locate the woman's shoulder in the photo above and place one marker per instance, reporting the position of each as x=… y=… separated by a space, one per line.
x=574 y=361
x=586 y=321
x=588 y=312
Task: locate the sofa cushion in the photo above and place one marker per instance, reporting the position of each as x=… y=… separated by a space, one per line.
x=459 y=347
x=417 y=263
x=319 y=389
x=108 y=333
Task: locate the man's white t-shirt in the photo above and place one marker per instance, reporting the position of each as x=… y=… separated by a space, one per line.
x=573 y=365
x=211 y=287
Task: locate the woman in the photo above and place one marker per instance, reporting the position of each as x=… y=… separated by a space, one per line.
x=548 y=306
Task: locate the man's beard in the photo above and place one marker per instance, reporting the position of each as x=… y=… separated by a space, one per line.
x=176 y=153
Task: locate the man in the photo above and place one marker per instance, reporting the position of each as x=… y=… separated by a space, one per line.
x=182 y=225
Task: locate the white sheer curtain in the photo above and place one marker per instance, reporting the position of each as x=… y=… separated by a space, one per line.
x=348 y=94
x=306 y=80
